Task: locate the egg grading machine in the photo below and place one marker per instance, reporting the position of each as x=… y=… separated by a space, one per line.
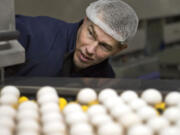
x=11 y=52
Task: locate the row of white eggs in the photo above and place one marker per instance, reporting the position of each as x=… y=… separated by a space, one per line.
x=27 y=118
x=151 y=96
x=107 y=103
x=131 y=110
x=143 y=108
x=77 y=120
x=81 y=123
x=129 y=100
x=140 y=107
x=8 y=97
x=51 y=117
x=150 y=110
x=103 y=122
x=7 y=120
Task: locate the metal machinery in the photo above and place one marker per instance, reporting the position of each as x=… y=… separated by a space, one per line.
x=154 y=50
x=11 y=52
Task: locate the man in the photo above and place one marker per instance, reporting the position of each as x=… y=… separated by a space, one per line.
x=56 y=48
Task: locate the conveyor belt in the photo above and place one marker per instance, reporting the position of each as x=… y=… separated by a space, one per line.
x=70 y=86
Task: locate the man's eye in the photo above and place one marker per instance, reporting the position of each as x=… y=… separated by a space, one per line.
x=105 y=47
x=90 y=32
x=91 y=35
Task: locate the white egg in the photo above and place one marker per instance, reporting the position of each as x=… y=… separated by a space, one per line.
x=28 y=105
x=137 y=104
x=172 y=98
x=49 y=107
x=10 y=90
x=158 y=123
x=8 y=99
x=81 y=129
x=106 y=93
x=96 y=109
x=27 y=132
x=129 y=95
x=129 y=119
x=5 y=131
x=146 y=113
x=27 y=114
x=54 y=127
x=172 y=114
x=110 y=129
x=58 y=133
x=152 y=96
x=140 y=129
x=178 y=123
x=72 y=107
x=46 y=90
x=28 y=124
x=52 y=116
x=118 y=110
x=111 y=102
x=86 y=95
x=6 y=110
x=44 y=99
x=7 y=122
x=170 y=131
x=99 y=119
x=76 y=117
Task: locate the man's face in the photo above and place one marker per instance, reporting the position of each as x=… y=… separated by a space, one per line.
x=93 y=45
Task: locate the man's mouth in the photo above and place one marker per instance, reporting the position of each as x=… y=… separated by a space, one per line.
x=84 y=58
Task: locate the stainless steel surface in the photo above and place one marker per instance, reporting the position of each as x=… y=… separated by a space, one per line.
x=137 y=68
x=154 y=37
x=170 y=63
x=7 y=15
x=149 y=9
x=11 y=52
x=73 y=10
x=172 y=32
x=69 y=10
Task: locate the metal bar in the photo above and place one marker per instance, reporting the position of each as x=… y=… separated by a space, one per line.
x=2 y=75
x=5 y=36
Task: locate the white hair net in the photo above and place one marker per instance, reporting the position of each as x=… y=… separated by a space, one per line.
x=115 y=17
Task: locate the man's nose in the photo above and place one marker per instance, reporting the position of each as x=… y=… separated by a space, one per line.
x=91 y=49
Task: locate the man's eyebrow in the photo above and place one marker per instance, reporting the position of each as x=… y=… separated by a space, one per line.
x=108 y=45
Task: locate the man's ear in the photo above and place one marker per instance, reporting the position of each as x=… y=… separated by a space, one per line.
x=85 y=19
x=120 y=48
